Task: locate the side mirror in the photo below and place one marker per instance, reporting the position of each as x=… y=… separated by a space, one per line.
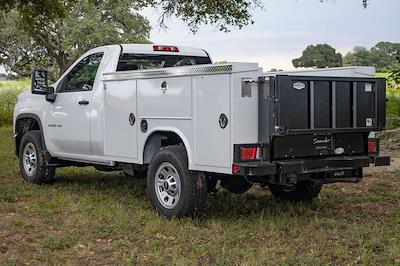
x=39 y=82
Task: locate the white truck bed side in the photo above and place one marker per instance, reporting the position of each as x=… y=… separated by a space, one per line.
x=190 y=105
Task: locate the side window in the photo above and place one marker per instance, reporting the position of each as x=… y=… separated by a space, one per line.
x=82 y=76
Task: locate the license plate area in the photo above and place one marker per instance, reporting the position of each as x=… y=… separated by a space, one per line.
x=318 y=145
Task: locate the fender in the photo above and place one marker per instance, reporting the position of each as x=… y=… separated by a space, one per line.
x=37 y=119
x=175 y=131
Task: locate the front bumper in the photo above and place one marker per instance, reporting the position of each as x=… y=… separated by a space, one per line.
x=306 y=166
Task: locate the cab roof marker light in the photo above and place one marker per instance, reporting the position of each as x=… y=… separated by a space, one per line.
x=164 y=48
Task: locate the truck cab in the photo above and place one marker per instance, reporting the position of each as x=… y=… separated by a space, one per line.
x=193 y=125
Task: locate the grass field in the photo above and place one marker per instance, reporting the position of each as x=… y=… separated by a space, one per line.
x=91 y=217
x=9 y=91
x=15 y=84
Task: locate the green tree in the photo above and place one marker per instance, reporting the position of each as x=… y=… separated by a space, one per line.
x=53 y=33
x=223 y=13
x=382 y=56
x=395 y=74
x=319 y=56
x=360 y=56
x=55 y=45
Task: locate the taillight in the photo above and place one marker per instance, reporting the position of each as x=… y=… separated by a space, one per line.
x=250 y=153
x=373 y=146
x=164 y=48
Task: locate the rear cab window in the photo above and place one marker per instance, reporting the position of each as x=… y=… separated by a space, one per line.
x=130 y=61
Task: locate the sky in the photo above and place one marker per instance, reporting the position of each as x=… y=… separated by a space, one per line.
x=284 y=28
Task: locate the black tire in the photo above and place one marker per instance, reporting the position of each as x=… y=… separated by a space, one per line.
x=304 y=191
x=42 y=174
x=193 y=186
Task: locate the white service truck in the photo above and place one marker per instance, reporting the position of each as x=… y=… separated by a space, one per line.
x=195 y=126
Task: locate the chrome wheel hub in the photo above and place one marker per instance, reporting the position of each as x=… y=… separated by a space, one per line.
x=167 y=185
x=29 y=159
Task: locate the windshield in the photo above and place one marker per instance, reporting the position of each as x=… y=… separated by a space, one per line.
x=147 y=61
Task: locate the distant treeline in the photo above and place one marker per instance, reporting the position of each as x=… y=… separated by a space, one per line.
x=384 y=56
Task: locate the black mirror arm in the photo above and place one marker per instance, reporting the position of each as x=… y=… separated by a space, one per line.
x=50 y=95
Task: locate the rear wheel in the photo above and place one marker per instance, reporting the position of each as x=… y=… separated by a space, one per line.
x=172 y=188
x=32 y=161
x=304 y=191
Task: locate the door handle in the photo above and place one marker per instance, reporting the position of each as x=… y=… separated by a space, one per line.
x=84 y=102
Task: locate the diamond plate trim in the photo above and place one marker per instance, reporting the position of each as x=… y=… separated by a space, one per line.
x=169 y=72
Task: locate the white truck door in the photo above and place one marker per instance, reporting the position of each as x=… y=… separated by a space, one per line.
x=121 y=122
x=68 y=119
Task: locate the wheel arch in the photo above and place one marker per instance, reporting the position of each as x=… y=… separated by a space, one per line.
x=24 y=123
x=161 y=137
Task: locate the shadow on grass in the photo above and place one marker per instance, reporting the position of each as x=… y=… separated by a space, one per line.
x=118 y=188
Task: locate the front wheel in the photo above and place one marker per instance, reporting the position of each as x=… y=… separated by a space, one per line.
x=172 y=188
x=304 y=191
x=32 y=161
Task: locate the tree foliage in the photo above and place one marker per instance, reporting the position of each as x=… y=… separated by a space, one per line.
x=395 y=74
x=383 y=56
x=53 y=33
x=319 y=56
x=56 y=44
x=223 y=13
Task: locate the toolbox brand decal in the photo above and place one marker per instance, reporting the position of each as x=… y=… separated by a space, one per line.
x=322 y=143
x=299 y=85
x=339 y=150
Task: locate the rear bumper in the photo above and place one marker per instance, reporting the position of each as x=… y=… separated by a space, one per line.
x=305 y=166
x=256 y=169
x=323 y=165
x=380 y=160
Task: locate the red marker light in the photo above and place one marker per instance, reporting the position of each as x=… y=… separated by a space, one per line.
x=372 y=146
x=164 y=48
x=235 y=169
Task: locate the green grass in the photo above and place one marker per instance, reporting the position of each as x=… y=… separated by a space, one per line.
x=15 y=84
x=393 y=108
x=9 y=91
x=89 y=217
x=382 y=75
x=393 y=104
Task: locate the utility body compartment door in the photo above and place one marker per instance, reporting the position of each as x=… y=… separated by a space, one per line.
x=329 y=103
x=121 y=122
x=165 y=98
x=212 y=134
